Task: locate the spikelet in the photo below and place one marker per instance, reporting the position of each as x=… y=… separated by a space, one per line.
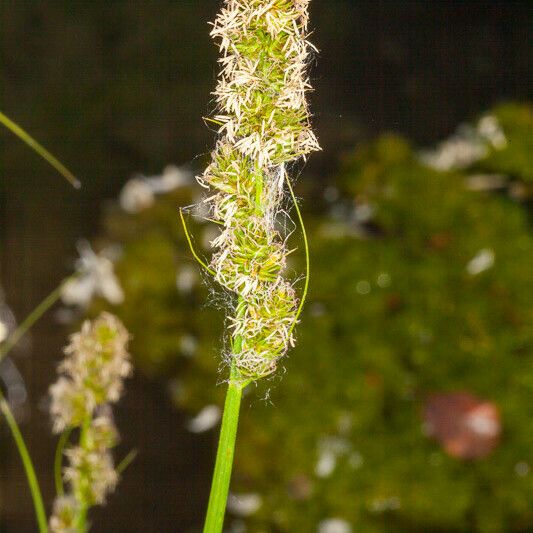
x=264 y=124
x=92 y=374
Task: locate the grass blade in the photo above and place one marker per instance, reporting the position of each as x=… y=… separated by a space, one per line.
x=28 y=465
x=43 y=152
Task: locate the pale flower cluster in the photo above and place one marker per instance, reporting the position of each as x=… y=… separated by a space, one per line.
x=140 y=192
x=92 y=374
x=95 y=276
x=93 y=371
x=90 y=473
x=263 y=80
x=467 y=146
x=63 y=519
x=7 y=319
x=91 y=470
x=264 y=124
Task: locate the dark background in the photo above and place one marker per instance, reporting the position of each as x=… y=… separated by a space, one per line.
x=116 y=87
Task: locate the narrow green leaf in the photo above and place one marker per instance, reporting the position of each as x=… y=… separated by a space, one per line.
x=33 y=483
x=43 y=152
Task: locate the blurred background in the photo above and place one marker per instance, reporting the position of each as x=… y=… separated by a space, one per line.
x=406 y=405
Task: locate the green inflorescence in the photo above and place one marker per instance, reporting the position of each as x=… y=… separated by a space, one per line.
x=92 y=375
x=264 y=124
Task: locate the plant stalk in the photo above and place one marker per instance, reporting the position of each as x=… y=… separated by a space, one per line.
x=43 y=152
x=58 y=461
x=216 y=508
x=5 y=348
x=28 y=466
x=33 y=317
x=81 y=519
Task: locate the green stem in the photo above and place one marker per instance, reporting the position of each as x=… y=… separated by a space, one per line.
x=307 y=259
x=28 y=465
x=121 y=467
x=41 y=150
x=81 y=496
x=58 y=460
x=33 y=317
x=216 y=508
x=258 y=190
x=81 y=523
x=193 y=251
x=13 y=339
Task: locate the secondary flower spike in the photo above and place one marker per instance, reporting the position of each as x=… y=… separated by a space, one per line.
x=92 y=378
x=264 y=124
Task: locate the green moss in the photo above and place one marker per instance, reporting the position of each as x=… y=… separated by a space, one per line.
x=393 y=315
x=516 y=159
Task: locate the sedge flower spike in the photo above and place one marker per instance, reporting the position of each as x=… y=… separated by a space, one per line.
x=264 y=124
x=92 y=375
x=92 y=372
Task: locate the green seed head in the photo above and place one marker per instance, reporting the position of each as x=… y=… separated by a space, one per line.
x=264 y=124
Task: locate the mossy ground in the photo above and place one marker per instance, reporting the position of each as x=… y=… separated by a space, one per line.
x=393 y=316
